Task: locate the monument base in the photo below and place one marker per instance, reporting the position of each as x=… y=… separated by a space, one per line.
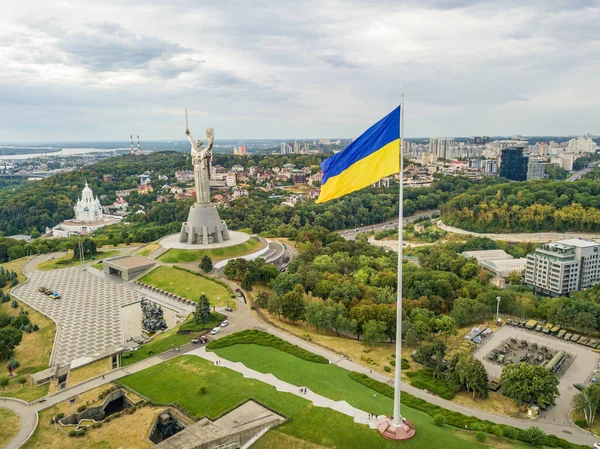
x=204 y=226
x=391 y=431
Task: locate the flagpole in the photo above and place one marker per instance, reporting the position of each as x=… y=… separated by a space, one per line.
x=397 y=376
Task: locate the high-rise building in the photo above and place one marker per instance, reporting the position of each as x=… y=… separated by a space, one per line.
x=582 y=145
x=543 y=149
x=440 y=146
x=490 y=167
x=428 y=159
x=562 y=267
x=513 y=165
x=286 y=148
x=479 y=140
x=535 y=168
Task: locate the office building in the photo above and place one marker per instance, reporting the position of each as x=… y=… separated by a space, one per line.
x=535 y=168
x=513 y=165
x=286 y=148
x=428 y=159
x=559 y=268
x=490 y=166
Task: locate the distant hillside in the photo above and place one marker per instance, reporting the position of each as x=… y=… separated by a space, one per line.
x=527 y=207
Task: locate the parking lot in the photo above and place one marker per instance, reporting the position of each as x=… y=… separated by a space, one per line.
x=583 y=363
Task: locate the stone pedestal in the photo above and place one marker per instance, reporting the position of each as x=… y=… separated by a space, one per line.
x=204 y=226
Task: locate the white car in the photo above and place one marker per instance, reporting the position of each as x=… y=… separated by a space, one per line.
x=215 y=330
x=597 y=445
x=225 y=323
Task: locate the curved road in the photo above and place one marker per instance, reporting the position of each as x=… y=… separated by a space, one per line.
x=350 y=234
x=28 y=417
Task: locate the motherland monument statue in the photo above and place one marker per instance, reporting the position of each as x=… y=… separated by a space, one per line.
x=204 y=226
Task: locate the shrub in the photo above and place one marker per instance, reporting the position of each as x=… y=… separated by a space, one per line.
x=481 y=436
x=498 y=431
x=72 y=433
x=439 y=419
x=14 y=304
x=60 y=416
x=202 y=390
x=20 y=320
x=534 y=435
x=265 y=339
x=511 y=433
x=36 y=328
x=387 y=369
x=126 y=355
x=581 y=423
x=81 y=408
x=424 y=380
x=405 y=364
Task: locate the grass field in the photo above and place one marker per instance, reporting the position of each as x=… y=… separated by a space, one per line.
x=183 y=255
x=67 y=260
x=188 y=285
x=34 y=351
x=128 y=431
x=178 y=380
x=10 y=425
x=88 y=371
x=277 y=440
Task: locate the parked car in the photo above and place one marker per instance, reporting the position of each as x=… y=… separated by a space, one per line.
x=225 y=323
x=215 y=330
x=55 y=295
x=229 y=309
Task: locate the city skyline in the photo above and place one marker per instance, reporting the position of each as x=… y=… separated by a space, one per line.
x=285 y=69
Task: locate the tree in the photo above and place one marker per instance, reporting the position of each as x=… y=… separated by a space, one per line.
x=247 y=281
x=478 y=379
x=292 y=304
x=467 y=310
x=316 y=314
x=446 y=325
x=587 y=402
x=515 y=278
x=206 y=264
x=525 y=384
x=88 y=245
x=535 y=436
x=274 y=305
x=262 y=300
x=374 y=332
x=3 y=382
x=10 y=338
x=202 y=313
x=427 y=354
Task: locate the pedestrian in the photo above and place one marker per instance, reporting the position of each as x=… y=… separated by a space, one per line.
x=103 y=376
x=374 y=396
x=178 y=349
x=371 y=371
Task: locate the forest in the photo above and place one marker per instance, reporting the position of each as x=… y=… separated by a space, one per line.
x=531 y=206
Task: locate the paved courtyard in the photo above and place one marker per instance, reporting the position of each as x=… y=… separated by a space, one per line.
x=87 y=315
x=584 y=362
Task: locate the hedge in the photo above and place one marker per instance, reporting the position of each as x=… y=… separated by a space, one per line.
x=424 y=380
x=190 y=325
x=254 y=337
x=457 y=419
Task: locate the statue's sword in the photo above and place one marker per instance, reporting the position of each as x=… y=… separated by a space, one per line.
x=186 y=120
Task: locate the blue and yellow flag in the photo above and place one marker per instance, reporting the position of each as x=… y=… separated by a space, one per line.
x=372 y=156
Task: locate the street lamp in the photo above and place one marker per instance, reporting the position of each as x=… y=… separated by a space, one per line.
x=498 y=309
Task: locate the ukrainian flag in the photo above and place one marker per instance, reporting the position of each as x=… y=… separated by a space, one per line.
x=372 y=156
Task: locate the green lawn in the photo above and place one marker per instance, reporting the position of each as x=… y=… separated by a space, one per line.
x=10 y=425
x=188 y=285
x=67 y=260
x=179 y=380
x=162 y=343
x=184 y=255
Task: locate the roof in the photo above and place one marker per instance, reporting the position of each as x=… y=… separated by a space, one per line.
x=131 y=262
x=504 y=267
x=485 y=255
x=579 y=243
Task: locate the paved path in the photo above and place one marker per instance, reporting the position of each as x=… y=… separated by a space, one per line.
x=522 y=236
x=350 y=234
x=359 y=416
x=28 y=417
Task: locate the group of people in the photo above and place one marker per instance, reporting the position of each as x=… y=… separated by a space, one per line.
x=302 y=390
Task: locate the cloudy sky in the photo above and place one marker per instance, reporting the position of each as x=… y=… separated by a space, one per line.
x=296 y=69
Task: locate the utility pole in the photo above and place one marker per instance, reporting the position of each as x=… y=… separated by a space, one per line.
x=498 y=309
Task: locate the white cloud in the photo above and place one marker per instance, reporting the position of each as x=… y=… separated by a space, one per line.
x=297 y=69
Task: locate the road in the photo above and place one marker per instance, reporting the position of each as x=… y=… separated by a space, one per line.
x=578 y=175
x=350 y=234
x=522 y=236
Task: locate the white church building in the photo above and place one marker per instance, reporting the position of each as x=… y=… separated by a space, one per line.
x=88 y=217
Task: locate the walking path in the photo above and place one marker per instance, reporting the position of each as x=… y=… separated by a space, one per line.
x=359 y=416
x=522 y=236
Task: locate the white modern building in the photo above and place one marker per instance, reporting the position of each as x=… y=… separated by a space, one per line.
x=535 y=168
x=582 y=145
x=497 y=261
x=559 y=268
x=88 y=217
